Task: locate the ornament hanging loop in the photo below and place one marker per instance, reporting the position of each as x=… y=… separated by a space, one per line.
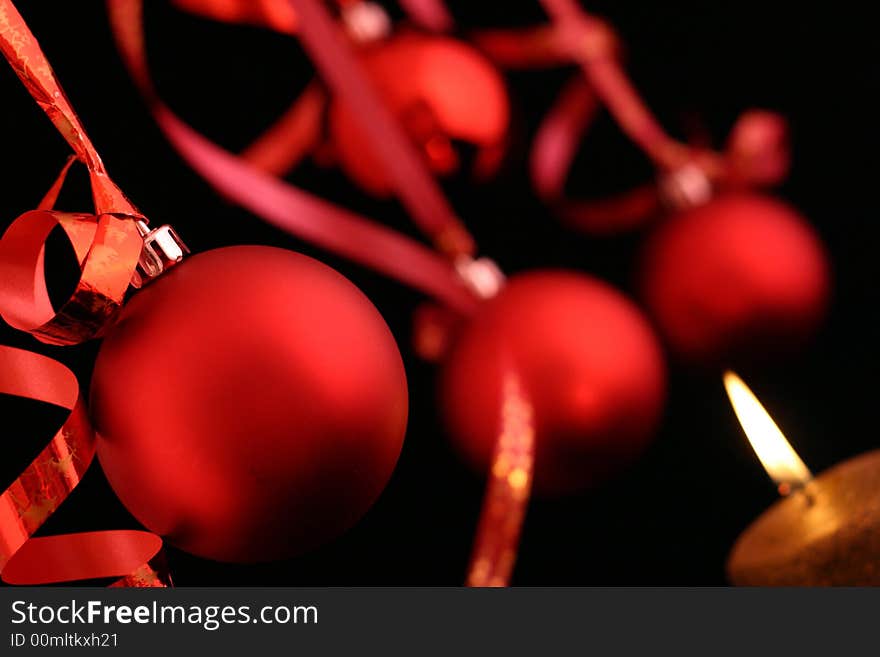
x=685 y=187
x=482 y=276
x=366 y=22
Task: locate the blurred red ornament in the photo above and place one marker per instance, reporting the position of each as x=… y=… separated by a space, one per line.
x=758 y=152
x=588 y=363
x=441 y=90
x=738 y=276
x=251 y=404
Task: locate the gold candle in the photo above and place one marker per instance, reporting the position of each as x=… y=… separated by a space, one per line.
x=825 y=531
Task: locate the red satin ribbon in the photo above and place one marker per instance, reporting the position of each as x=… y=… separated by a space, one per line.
x=589 y=41
x=603 y=70
x=566 y=123
x=416 y=188
x=555 y=145
x=306 y=216
x=286 y=142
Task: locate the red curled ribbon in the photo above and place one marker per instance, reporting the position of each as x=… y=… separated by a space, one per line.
x=107 y=246
x=601 y=67
x=576 y=36
x=553 y=150
x=569 y=39
x=133 y=558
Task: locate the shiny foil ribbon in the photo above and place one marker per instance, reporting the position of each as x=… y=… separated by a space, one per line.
x=107 y=248
x=107 y=245
x=507 y=490
x=131 y=558
x=247 y=180
x=23 y=52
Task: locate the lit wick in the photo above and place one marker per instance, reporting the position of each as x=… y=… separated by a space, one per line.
x=834 y=539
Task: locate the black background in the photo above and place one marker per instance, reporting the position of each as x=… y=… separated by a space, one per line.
x=669 y=519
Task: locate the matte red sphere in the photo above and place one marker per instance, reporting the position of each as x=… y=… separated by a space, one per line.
x=586 y=359
x=251 y=404
x=740 y=276
x=440 y=89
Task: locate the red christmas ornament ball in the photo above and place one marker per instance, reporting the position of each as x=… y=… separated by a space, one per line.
x=441 y=90
x=741 y=276
x=251 y=404
x=587 y=361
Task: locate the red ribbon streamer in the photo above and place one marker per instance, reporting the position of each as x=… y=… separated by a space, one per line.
x=30 y=64
x=281 y=147
x=565 y=124
x=415 y=186
x=282 y=204
x=603 y=71
x=507 y=491
x=553 y=151
x=133 y=558
x=107 y=246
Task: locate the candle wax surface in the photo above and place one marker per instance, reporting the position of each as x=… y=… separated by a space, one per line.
x=825 y=535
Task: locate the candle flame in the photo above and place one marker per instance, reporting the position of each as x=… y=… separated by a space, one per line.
x=775 y=453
